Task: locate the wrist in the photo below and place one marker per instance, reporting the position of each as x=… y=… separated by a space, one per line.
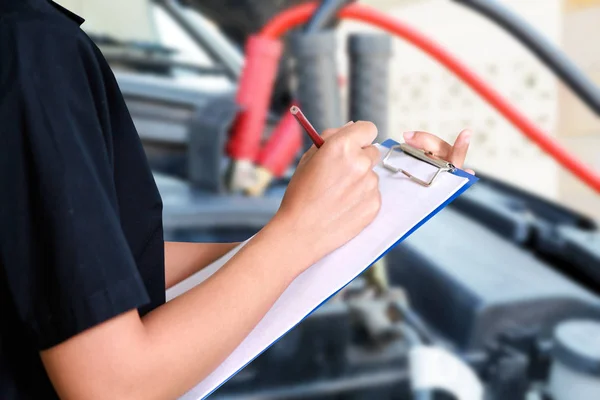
x=286 y=233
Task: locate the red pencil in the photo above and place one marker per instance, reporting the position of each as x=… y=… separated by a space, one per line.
x=312 y=132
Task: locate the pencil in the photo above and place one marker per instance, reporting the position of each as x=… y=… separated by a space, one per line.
x=312 y=132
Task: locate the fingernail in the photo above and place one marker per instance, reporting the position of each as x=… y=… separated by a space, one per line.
x=409 y=135
x=467 y=137
x=348 y=123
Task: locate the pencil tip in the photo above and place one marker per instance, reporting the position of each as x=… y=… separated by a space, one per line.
x=294 y=110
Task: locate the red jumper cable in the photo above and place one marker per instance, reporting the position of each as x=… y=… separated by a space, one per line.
x=300 y=14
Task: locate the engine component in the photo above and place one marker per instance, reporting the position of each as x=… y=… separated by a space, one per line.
x=325 y=357
x=318 y=92
x=188 y=210
x=501 y=213
x=506 y=373
x=369 y=79
x=577 y=249
x=207 y=143
x=564 y=238
x=430 y=370
x=316 y=350
x=575 y=371
x=167 y=113
x=470 y=284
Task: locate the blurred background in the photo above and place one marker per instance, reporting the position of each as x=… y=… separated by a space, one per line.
x=507 y=279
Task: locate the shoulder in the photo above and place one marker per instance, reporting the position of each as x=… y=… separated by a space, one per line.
x=35 y=43
x=37 y=26
x=52 y=75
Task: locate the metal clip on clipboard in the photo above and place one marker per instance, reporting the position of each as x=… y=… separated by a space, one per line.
x=425 y=156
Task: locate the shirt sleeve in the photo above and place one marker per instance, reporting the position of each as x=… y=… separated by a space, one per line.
x=63 y=252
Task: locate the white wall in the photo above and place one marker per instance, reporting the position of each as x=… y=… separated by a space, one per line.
x=424 y=96
x=579 y=128
x=123 y=19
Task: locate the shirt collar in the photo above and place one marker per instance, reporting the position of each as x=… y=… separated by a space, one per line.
x=68 y=13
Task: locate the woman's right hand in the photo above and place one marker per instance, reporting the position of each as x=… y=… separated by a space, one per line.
x=334 y=193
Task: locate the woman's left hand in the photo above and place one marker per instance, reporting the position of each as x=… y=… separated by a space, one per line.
x=455 y=154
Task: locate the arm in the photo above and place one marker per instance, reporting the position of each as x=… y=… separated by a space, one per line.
x=182 y=260
x=181 y=342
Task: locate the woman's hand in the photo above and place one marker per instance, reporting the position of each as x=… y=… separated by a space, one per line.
x=334 y=193
x=455 y=154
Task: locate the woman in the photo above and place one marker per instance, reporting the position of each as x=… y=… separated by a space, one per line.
x=83 y=264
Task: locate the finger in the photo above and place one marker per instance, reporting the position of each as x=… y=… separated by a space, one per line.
x=428 y=142
x=361 y=133
x=460 y=148
x=305 y=157
x=327 y=133
x=373 y=154
x=470 y=171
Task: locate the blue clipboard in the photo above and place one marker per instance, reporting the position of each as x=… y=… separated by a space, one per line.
x=443 y=167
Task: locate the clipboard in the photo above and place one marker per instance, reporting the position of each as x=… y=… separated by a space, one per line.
x=415 y=185
x=422 y=155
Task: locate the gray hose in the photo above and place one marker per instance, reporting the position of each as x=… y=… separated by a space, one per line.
x=318 y=91
x=549 y=54
x=369 y=79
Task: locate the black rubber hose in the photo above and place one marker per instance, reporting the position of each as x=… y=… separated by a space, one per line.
x=414 y=321
x=549 y=54
x=325 y=15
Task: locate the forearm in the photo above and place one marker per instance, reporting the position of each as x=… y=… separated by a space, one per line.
x=191 y=335
x=182 y=260
x=183 y=341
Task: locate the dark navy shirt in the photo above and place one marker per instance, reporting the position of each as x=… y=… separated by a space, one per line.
x=81 y=237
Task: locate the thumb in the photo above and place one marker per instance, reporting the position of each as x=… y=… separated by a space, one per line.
x=460 y=148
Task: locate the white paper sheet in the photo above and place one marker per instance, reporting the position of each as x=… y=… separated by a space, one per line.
x=404 y=205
